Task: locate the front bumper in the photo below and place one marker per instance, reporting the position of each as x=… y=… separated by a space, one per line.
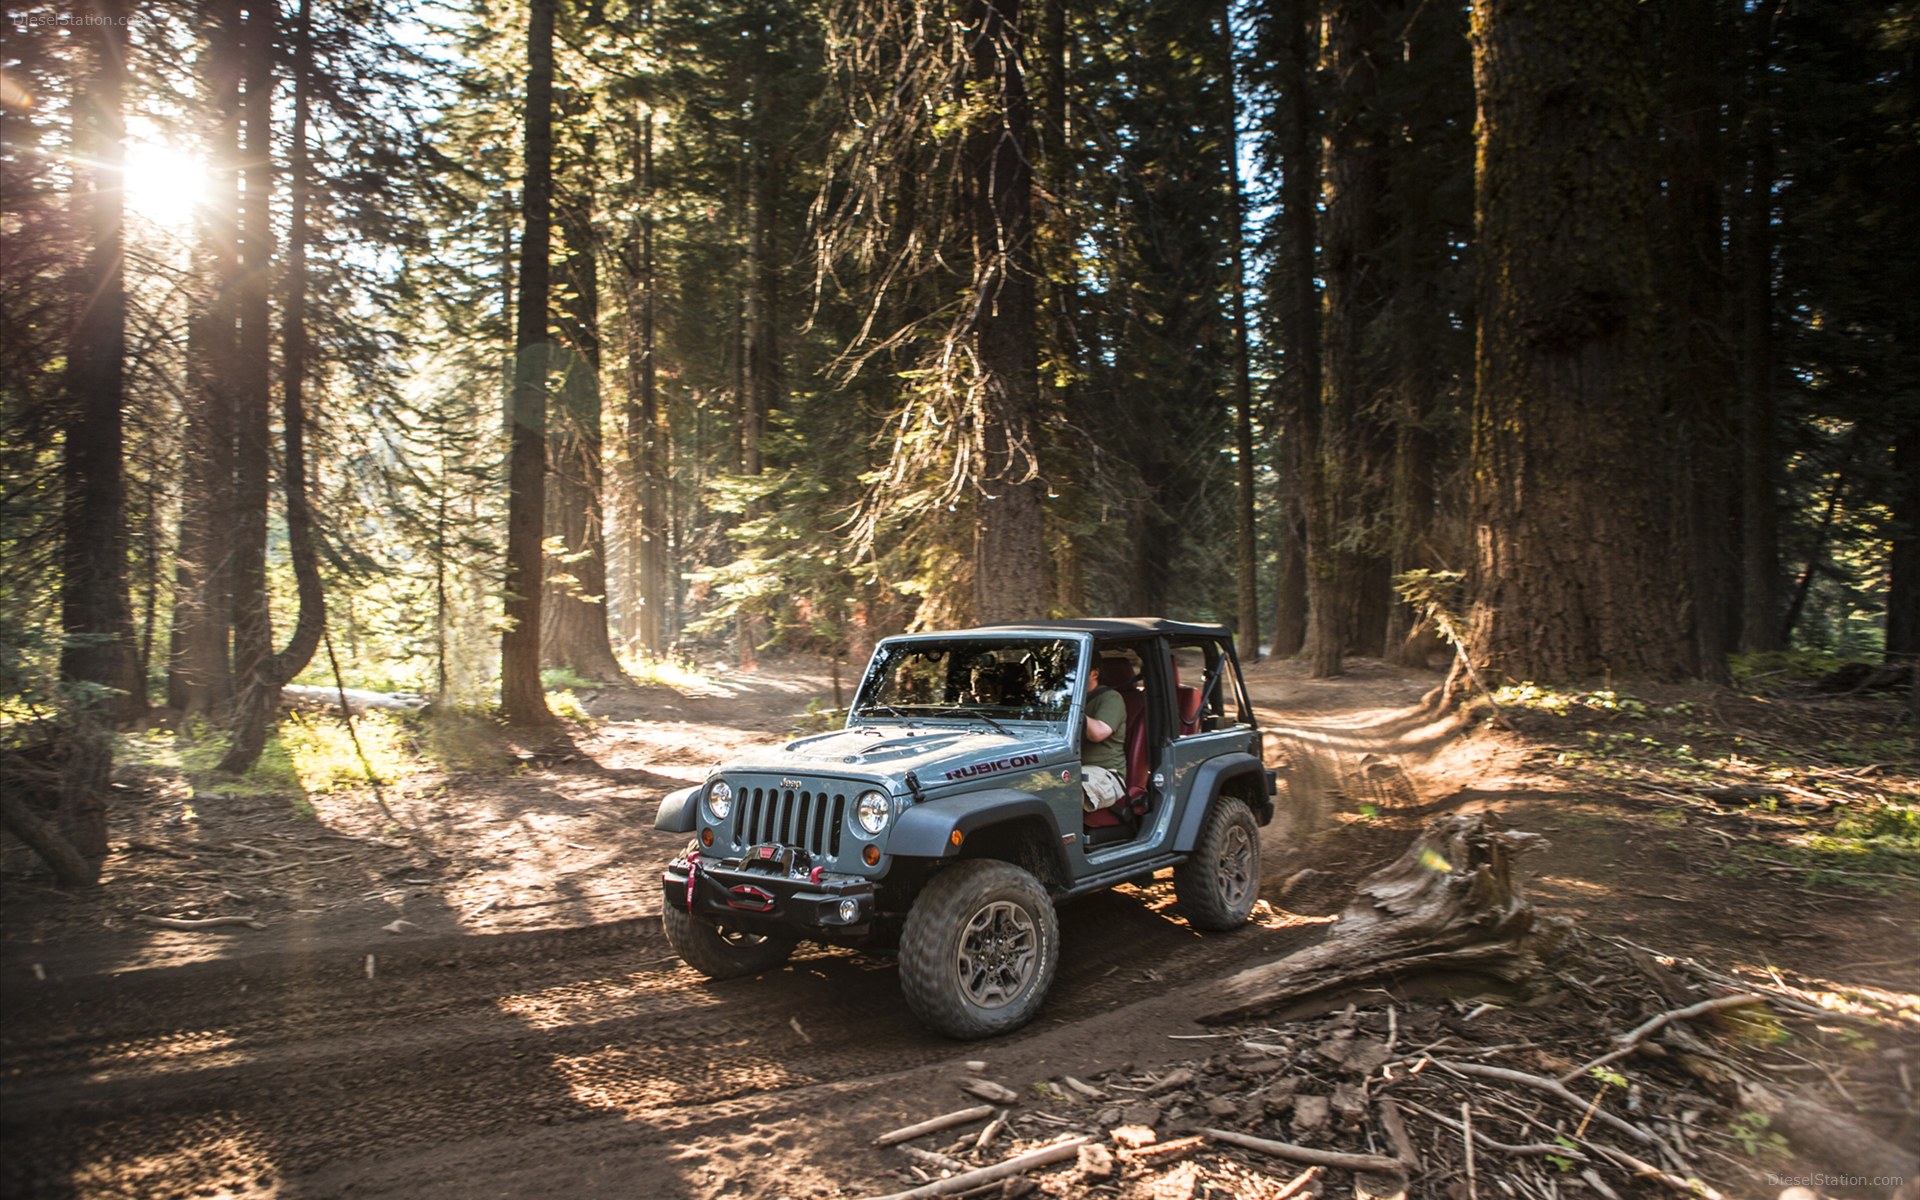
x=811 y=904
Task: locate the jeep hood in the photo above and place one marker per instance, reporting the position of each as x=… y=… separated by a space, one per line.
x=936 y=754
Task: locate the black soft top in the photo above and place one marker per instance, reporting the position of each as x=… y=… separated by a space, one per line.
x=1113 y=627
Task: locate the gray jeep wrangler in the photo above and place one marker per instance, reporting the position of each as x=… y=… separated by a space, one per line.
x=946 y=819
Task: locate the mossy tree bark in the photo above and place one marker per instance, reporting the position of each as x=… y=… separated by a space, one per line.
x=1573 y=573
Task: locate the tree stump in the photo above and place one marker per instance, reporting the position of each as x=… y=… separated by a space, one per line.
x=1449 y=904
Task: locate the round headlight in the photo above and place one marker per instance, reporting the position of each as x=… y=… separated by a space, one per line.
x=719 y=800
x=873 y=811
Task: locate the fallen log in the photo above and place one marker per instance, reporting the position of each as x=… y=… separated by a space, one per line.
x=965 y=1116
x=1450 y=903
x=990 y=1091
x=1833 y=1140
x=1307 y=1154
x=194 y=925
x=1032 y=1160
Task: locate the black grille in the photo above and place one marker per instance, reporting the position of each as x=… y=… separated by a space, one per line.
x=809 y=820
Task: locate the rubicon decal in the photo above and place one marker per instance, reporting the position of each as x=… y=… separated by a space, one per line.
x=998 y=764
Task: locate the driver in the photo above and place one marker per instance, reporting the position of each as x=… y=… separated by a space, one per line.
x=1103 y=742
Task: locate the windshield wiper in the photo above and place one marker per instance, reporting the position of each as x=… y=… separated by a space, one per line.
x=890 y=710
x=998 y=727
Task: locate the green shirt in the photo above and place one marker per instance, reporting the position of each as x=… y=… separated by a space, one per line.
x=1108 y=706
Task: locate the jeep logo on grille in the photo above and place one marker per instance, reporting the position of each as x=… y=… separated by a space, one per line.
x=790 y=784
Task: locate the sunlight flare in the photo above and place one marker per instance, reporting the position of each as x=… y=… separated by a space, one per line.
x=164 y=184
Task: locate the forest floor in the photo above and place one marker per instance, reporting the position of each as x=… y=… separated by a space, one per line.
x=466 y=991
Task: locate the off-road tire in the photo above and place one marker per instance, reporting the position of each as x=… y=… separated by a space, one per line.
x=721 y=953
x=979 y=949
x=1217 y=887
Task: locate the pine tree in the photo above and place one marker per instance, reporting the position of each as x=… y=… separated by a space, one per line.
x=942 y=146
x=262 y=671
x=574 y=612
x=200 y=665
x=1285 y=42
x=96 y=616
x=521 y=696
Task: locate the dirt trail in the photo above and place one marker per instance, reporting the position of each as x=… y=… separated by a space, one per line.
x=548 y=1042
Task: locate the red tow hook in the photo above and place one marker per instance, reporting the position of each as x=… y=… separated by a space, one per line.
x=814 y=875
x=693 y=873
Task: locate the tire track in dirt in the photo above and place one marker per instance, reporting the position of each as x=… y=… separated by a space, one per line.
x=245 y=1078
x=1324 y=773
x=214 y=1089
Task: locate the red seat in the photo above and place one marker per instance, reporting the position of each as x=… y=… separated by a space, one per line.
x=1188 y=698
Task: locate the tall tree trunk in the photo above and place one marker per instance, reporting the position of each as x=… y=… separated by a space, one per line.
x=1056 y=245
x=521 y=697
x=96 y=612
x=1339 y=476
x=1290 y=576
x=643 y=412
x=200 y=668
x=1573 y=575
x=1701 y=377
x=1009 y=545
x=259 y=695
x=761 y=347
x=253 y=388
x=646 y=540
x=1246 y=534
x=574 y=612
x=1410 y=639
x=1298 y=309
x=1760 y=623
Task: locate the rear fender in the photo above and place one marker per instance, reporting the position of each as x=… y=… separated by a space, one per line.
x=1209 y=780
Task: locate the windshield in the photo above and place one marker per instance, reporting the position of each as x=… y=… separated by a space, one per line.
x=1018 y=679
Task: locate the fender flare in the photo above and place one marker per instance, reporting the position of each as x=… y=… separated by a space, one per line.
x=926 y=830
x=1207 y=782
x=678 y=813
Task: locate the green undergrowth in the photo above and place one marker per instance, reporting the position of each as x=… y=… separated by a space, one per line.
x=1819 y=791
x=306 y=756
x=313 y=754
x=1875 y=848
